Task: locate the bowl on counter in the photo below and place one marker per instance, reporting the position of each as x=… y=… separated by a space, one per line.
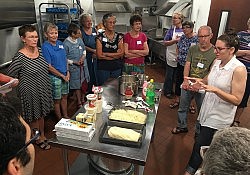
x=128 y=80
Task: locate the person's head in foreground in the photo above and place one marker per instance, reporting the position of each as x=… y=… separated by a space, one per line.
x=229 y=153
x=17 y=153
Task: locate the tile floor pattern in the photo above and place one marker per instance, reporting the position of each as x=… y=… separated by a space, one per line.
x=168 y=153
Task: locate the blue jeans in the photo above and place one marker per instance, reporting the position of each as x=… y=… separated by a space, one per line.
x=169 y=80
x=185 y=100
x=104 y=75
x=203 y=137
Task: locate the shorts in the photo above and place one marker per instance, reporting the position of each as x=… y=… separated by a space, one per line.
x=59 y=87
x=244 y=100
x=132 y=69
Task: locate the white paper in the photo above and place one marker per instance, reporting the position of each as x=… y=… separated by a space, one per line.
x=7 y=87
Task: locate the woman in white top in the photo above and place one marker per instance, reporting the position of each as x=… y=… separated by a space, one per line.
x=224 y=86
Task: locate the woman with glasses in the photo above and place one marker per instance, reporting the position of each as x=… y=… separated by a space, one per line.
x=188 y=39
x=76 y=54
x=170 y=40
x=89 y=38
x=135 y=46
x=109 y=50
x=30 y=67
x=224 y=86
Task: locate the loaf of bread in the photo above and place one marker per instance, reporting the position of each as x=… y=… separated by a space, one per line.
x=123 y=134
x=132 y=116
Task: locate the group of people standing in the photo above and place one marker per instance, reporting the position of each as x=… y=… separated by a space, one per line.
x=214 y=75
x=47 y=74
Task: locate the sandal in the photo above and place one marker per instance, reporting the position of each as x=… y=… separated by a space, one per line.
x=192 y=109
x=43 y=145
x=236 y=124
x=174 y=105
x=178 y=130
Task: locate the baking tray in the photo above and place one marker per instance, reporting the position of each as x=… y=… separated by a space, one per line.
x=128 y=108
x=104 y=138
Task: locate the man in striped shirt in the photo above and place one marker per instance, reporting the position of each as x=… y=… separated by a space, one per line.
x=243 y=55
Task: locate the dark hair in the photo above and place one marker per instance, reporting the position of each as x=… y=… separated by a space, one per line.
x=231 y=39
x=135 y=18
x=73 y=28
x=188 y=23
x=26 y=28
x=106 y=16
x=12 y=137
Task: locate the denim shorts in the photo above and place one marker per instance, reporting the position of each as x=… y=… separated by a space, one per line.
x=59 y=87
x=132 y=69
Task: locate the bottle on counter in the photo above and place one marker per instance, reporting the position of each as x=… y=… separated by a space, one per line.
x=150 y=93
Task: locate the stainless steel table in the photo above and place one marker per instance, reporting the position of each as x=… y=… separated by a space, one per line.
x=137 y=156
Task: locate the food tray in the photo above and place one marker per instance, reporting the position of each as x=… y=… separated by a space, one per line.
x=128 y=108
x=104 y=138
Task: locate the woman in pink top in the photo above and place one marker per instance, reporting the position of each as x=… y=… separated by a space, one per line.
x=136 y=47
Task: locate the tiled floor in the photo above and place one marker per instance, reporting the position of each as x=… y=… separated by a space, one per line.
x=168 y=153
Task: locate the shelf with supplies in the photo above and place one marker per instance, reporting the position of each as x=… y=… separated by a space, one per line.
x=61 y=14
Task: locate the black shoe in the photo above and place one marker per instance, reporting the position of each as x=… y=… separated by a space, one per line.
x=169 y=96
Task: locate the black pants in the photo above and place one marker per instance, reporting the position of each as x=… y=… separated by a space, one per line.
x=179 y=79
x=203 y=137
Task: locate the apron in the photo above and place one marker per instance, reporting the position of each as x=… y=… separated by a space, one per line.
x=171 y=54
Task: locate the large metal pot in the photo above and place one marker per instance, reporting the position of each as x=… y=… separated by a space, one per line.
x=128 y=80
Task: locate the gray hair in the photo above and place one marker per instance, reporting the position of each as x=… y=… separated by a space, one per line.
x=207 y=28
x=83 y=17
x=49 y=26
x=229 y=153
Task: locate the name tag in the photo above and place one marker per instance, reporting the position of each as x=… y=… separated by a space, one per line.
x=138 y=42
x=80 y=47
x=94 y=34
x=60 y=46
x=248 y=45
x=105 y=39
x=200 y=65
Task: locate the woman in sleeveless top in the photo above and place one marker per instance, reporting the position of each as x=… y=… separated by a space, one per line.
x=109 y=50
x=89 y=38
x=224 y=86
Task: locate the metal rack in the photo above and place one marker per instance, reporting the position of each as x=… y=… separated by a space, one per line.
x=61 y=14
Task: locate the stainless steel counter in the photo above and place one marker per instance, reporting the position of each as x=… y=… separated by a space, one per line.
x=136 y=156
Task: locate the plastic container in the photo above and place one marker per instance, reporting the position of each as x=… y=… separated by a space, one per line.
x=129 y=92
x=91 y=100
x=150 y=93
x=144 y=89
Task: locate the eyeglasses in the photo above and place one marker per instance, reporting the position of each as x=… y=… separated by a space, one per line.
x=203 y=36
x=36 y=135
x=186 y=27
x=219 y=49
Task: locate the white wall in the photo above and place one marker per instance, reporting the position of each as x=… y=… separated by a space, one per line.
x=200 y=13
